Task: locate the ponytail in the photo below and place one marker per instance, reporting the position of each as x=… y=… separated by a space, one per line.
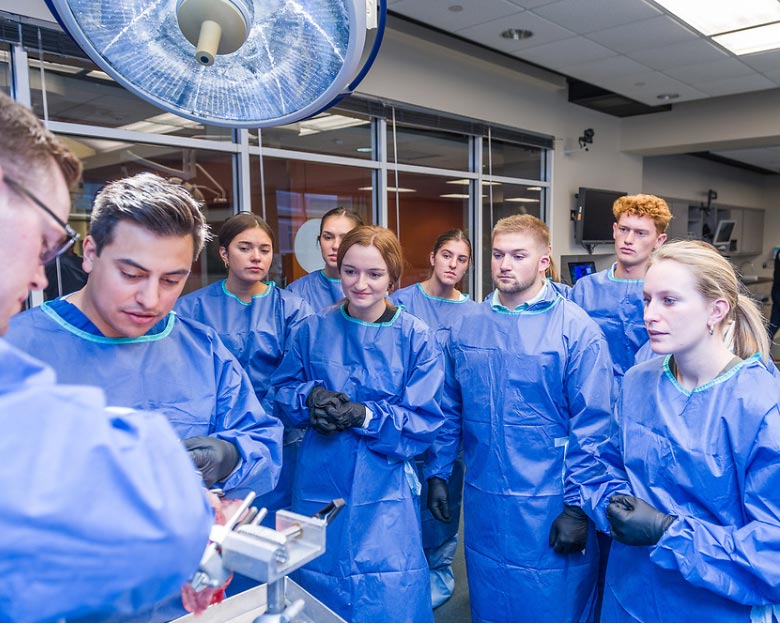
x=749 y=330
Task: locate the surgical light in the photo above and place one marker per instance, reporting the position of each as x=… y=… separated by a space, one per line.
x=232 y=63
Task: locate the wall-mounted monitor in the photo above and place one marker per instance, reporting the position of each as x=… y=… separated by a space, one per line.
x=581 y=269
x=594 y=218
x=723 y=234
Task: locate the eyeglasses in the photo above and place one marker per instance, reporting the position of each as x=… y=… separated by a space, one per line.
x=71 y=236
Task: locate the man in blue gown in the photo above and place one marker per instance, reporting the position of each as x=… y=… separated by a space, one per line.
x=102 y=512
x=531 y=390
x=613 y=297
x=118 y=332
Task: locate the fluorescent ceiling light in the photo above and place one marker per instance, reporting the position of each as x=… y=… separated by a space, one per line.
x=711 y=17
x=751 y=40
x=392 y=189
x=465 y=182
x=363 y=149
x=455 y=196
x=161 y=124
x=58 y=67
x=534 y=188
x=96 y=73
x=326 y=122
x=522 y=200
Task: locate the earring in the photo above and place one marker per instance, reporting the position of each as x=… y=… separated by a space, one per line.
x=710 y=329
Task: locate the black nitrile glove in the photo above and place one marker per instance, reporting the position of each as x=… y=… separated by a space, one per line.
x=569 y=531
x=324 y=398
x=215 y=458
x=319 y=421
x=439 y=499
x=635 y=522
x=347 y=415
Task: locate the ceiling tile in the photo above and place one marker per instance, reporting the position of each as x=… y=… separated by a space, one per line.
x=648 y=33
x=490 y=33
x=773 y=76
x=437 y=13
x=604 y=68
x=768 y=61
x=530 y=4
x=585 y=17
x=706 y=72
x=564 y=53
x=687 y=52
x=647 y=86
x=738 y=84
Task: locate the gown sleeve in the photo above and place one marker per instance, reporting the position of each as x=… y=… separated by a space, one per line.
x=739 y=562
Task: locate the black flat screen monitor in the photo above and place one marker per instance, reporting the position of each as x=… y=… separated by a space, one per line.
x=723 y=232
x=581 y=269
x=594 y=218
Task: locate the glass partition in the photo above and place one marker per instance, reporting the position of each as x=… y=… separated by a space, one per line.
x=297 y=194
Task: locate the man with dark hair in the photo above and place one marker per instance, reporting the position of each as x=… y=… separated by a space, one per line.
x=118 y=332
x=102 y=512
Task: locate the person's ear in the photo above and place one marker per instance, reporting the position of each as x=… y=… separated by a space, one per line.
x=719 y=310
x=659 y=241
x=89 y=251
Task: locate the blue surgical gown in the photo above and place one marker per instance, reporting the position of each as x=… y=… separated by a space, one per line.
x=102 y=511
x=534 y=389
x=317 y=289
x=256 y=333
x=180 y=368
x=711 y=457
x=439 y=538
x=618 y=306
x=374 y=569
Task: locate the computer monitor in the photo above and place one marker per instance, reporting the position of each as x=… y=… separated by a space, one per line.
x=723 y=233
x=581 y=269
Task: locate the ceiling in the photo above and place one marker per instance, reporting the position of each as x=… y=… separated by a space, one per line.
x=630 y=47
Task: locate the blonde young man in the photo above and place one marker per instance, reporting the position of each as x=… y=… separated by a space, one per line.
x=613 y=297
x=530 y=388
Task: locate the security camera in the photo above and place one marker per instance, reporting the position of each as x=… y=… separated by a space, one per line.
x=586 y=138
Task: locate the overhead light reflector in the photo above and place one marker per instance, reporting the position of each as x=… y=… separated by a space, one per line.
x=712 y=17
x=751 y=40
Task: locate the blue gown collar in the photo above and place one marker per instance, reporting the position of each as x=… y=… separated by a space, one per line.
x=719 y=379
x=463 y=297
x=73 y=320
x=548 y=299
x=271 y=285
x=352 y=319
x=611 y=276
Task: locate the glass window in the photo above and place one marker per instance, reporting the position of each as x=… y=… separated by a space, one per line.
x=507 y=200
x=513 y=161
x=336 y=132
x=207 y=175
x=78 y=92
x=427 y=206
x=297 y=194
x=5 y=69
x=428 y=148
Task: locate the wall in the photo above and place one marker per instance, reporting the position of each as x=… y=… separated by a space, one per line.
x=414 y=71
x=491 y=87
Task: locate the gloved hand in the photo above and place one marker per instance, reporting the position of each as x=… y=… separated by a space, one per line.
x=215 y=458
x=320 y=422
x=439 y=499
x=635 y=522
x=323 y=398
x=569 y=531
x=347 y=415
